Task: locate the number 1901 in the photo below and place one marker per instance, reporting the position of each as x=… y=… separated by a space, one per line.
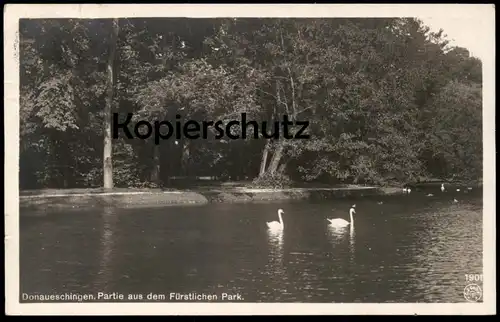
x=474 y=277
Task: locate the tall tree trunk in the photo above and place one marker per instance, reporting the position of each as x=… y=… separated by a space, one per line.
x=185 y=158
x=275 y=161
x=108 y=109
x=263 y=161
x=155 y=171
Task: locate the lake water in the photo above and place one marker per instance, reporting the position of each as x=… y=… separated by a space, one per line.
x=407 y=249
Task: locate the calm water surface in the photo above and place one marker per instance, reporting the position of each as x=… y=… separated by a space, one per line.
x=408 y=249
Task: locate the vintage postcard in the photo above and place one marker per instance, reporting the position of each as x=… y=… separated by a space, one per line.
x=249 y=159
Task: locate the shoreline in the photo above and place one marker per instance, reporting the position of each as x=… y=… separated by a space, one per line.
x=124 y=198
x=53 y=199
x=85 y=192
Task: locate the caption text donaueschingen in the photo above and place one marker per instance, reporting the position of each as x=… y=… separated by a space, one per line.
x=116 y=296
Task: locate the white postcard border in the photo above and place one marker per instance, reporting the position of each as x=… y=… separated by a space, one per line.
x=481 y=16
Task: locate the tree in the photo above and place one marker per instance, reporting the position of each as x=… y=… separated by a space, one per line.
x=386 y=100
x=455 y=131
x=108 y=112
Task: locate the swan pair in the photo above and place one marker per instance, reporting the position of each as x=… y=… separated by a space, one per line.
x=337 y=222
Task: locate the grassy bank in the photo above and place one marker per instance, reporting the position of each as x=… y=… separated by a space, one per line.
x=229 y=192
x=199 y=194
x=52 y=199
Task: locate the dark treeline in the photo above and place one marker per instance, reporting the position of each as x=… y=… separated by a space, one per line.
x=387 y=100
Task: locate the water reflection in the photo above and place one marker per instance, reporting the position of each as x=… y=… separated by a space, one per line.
x=352 y=244
x=104 y=274
x=275 y=240
x=414 y=251
x=434 y=275
x=337 y=235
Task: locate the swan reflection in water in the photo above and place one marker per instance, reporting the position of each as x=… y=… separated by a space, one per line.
x=352 y=244
x=275 y=242
x=338 y=228
x=339 y=234
x=275 y=269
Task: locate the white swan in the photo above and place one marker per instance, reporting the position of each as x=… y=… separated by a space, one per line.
x=442 y=187
x=339 y=222
x=409 y=190
x=275 y=225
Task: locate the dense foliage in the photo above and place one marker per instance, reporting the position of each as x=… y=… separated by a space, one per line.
x=387 y=100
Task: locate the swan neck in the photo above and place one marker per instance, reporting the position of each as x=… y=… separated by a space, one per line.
x=281 y=219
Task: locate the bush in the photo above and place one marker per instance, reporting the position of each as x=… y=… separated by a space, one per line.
x=272 y=181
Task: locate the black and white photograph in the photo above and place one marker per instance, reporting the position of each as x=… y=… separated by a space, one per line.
x=162 y=157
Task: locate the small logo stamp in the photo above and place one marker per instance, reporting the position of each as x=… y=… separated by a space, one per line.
x=473 y=293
